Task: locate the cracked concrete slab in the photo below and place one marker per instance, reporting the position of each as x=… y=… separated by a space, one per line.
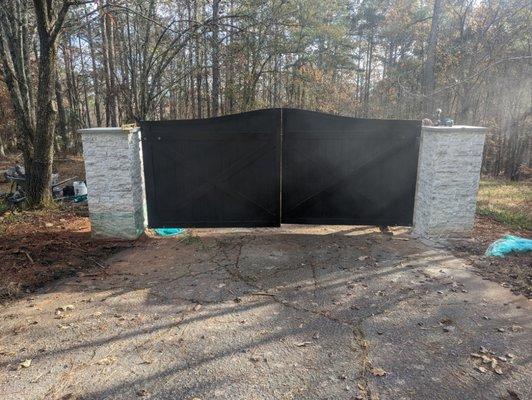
x=297 y=312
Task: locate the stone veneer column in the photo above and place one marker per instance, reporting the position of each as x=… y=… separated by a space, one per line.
x=447 y=180
x=115 y=182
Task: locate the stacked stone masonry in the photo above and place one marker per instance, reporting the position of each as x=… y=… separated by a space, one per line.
x=450 y=159
x=113 y=166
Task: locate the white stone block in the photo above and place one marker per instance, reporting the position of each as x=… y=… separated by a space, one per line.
x=449 y=165
x=115 y=182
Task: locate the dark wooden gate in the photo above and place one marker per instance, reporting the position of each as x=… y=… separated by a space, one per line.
x=230 y=171
x=213 y=172
x=339 y=170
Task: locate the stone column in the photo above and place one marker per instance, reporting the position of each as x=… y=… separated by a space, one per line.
x=115 y=182
x=447 y=180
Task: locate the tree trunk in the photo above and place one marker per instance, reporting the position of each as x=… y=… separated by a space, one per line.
x=369 y=68
x=86 y=110
x=111 y=104
x=429 y=78
x=113 y=101
x=2 y=148
x=39 y=170
x=74 y=118
x=62 y=122
x=95 y=79
x=215 y=59
x=197 y=50
x=39 y=163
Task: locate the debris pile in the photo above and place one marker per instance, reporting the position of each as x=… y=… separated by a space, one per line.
x=61 y=191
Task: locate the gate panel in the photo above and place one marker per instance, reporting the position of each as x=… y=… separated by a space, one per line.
x=339 y=170
x=215 y=172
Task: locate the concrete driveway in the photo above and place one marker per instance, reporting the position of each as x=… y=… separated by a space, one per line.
x=287 y=313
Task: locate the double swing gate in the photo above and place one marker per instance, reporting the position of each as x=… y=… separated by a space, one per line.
x=267 y=167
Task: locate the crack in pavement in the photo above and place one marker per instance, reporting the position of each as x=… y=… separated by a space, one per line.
x=356 y=327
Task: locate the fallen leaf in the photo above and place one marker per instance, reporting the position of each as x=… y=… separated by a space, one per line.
x=376 y=371
x=486 y=359
x=26 y=363
x=69 y=396
x=107 y=360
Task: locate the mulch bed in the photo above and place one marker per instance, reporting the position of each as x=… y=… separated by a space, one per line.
x=41 y=246
x=513 y=271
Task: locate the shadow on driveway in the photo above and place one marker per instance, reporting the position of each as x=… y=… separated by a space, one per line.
x=298 y=312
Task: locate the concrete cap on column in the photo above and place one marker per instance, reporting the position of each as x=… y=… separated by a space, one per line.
x=455 y=128
x=125 y=129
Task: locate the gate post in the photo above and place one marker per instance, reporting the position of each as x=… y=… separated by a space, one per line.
x=115 y=182
x=447 y=180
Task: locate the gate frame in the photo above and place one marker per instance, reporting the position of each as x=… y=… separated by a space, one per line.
x=300 y=126
x=154 y=219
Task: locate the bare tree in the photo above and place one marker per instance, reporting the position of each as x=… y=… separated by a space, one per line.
x=215 y=58
x=429 y=78
x=108 y=50
x=193 y=58
x=36 y=113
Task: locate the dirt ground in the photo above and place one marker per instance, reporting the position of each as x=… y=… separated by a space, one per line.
x=513 y=271
x=38 y=247
x=41 y=246
x=287 y=313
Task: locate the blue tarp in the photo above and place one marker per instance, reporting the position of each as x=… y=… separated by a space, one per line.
x=509 y=244
x=169 y=231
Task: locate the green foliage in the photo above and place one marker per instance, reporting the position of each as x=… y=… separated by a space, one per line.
x=3 y=207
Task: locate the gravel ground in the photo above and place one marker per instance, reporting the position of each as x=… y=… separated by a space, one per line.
x=286 y=313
